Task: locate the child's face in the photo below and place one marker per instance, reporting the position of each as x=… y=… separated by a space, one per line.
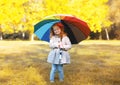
x=56 y=30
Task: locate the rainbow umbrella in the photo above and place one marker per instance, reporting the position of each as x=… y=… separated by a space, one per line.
x=76 y=29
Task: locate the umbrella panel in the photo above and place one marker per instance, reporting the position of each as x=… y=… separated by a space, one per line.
x=79 y=24
x=73 y=32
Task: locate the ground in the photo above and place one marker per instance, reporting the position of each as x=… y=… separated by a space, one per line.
x=92 y=63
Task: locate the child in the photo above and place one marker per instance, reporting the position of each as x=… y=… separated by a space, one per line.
x=59 y=44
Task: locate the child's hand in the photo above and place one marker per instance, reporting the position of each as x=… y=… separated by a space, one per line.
x=60 y=45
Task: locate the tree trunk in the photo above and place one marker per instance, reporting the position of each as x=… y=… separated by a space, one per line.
x=100 y=37
x=23 y=35
x=107 y=35
x=1 y=38
x=32 y=37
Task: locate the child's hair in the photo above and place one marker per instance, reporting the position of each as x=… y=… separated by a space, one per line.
x=61 y=26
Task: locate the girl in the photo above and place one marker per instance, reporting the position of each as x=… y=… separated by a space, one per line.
x=60 y=44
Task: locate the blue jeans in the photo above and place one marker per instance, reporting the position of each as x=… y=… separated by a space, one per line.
x=59 y=68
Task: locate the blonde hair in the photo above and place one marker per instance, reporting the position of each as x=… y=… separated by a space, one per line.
x=61 y=26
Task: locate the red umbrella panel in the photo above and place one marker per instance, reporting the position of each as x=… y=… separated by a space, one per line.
x=76 y=27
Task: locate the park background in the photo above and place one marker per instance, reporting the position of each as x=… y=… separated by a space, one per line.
x=95 y=61
x=17 y=18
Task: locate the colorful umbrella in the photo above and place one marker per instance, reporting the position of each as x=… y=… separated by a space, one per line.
x=76 y=29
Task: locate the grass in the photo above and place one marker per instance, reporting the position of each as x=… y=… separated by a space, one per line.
x=92 y=63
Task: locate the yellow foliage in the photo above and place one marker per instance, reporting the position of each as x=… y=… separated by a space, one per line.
x=29 y=12
x=94 y=12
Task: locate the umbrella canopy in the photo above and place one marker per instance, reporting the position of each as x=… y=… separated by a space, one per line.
x=76 y=29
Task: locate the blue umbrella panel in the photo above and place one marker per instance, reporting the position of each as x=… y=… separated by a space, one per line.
x=42 y=29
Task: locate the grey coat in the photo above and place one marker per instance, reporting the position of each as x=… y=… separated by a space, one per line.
x=57 y=56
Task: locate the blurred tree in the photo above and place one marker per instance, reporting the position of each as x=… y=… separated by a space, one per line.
x=115 y=17
x=94 y=12
x=11 y=13
x=33 y=12
x=115 y=11
x=20 y=15
x=24 y=14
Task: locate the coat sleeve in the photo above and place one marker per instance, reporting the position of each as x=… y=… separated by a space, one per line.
x=52 y=43
x=67 y=44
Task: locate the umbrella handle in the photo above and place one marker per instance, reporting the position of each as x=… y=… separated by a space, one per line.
x=60 y=56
